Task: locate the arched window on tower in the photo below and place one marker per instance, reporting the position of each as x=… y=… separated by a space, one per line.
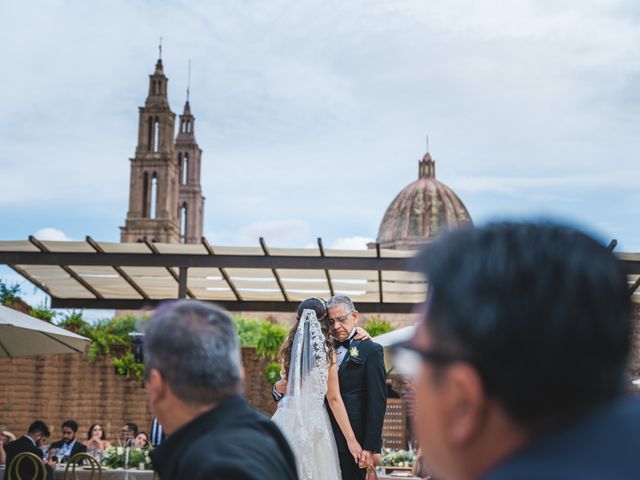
x=184 y=169
x=145 y=195
x=157 y=87
x=154 y=196
x=156 y=134
x=183 y=223
x=150 y=134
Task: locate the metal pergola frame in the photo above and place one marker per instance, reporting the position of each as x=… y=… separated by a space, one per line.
x=182 y=262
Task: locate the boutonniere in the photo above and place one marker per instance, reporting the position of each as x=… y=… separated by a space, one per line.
x=354 y=352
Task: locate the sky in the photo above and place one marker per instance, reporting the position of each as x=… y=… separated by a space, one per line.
x=312 y=115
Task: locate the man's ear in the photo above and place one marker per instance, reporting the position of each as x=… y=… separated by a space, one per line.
x=156 y=386
x=467 y=403
x=356 y=316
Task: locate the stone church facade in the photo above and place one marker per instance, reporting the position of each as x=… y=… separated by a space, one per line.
x=165 y=195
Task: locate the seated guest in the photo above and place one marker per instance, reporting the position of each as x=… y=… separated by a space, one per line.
x=5 y=437
x=141 y=441
x=96 y=440
x=193 y=376
x=69 y=445
x=31 y=442
x=520 y=360
x=128 y=433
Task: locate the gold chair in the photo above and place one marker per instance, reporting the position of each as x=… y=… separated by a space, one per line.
x=13 y=472
x=78 y=458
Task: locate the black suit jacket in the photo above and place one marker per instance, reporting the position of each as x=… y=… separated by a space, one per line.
x=364 y=393
x=20 y=445
x=229 y=442
x=77 y=447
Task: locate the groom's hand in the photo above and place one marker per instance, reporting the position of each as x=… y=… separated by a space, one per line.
x=366 y=459
x=281 y=386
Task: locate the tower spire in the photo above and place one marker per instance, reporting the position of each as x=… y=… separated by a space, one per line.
x=188 y=80
x=426 y=166
x=160 y=49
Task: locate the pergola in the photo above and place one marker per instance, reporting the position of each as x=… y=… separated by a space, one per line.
x=133 y=276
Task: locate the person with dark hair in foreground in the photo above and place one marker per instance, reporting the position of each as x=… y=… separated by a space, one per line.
x=193 y=376
x=31 y=442
x=519 y=364
x=69 y=445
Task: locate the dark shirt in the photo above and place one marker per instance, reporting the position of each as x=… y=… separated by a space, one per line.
x=605 y=444
x=20 y=445
x=228 y=442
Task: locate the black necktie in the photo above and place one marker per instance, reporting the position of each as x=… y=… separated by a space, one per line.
x=344 y=343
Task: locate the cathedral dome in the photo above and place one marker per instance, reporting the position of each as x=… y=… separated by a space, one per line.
x=421 y=211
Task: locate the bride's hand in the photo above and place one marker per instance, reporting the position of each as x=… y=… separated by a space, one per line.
x=355 y=449
x=361 y=334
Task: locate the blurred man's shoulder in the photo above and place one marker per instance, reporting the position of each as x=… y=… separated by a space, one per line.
x=600 y=445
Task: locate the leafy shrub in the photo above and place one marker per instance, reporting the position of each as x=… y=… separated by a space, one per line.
x=249 y=330
x=9 y=293
x=127 y=366
x=42 y=312
x=74 y=322
x=377 y=326
x=271 y=339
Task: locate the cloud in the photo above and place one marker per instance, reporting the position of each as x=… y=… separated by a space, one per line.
x=50 y=233
x=318 y=111
x=277 y=233
x=351 y=243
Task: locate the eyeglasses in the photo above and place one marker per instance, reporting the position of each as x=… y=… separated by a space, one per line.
x=408 y=358
x=341 y=318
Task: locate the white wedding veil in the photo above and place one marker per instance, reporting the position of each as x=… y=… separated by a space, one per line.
x=308 y=353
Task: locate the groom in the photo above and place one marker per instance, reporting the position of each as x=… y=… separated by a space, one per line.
x=362 y=375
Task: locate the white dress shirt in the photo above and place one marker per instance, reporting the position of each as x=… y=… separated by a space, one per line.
x=341 y=351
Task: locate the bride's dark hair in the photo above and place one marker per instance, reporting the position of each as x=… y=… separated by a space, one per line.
x=320 y=307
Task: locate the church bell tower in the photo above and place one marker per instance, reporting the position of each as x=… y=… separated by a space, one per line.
x=153 y=193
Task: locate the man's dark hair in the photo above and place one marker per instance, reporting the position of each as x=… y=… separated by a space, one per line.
x=39 y=427
x=195 y=347
x=72 y=424
x=133 y=428
x=541 y=310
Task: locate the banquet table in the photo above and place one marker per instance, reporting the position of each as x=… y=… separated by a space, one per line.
x=107 y=474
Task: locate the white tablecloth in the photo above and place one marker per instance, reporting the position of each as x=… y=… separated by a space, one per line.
x=107 y=474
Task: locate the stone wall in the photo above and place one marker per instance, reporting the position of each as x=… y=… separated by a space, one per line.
x=58 y=387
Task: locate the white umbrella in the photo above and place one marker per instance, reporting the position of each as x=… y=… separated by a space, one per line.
x=395 y=336
x=22 y=335
x=391 y=338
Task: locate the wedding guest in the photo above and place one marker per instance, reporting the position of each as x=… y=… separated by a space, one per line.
x=128 y=433
x=141 y=441
x=520 y=361
x=37 y=433
x=96 y=440
x=193 y=376
x=6 y=436
x=69 y=444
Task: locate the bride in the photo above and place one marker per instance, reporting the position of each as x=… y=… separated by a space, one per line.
x=309 y=365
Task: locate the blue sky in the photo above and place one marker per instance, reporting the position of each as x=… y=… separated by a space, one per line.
x=312 y=114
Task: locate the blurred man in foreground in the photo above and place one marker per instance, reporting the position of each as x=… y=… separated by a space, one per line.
x=194 y=381
x=519 y=364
